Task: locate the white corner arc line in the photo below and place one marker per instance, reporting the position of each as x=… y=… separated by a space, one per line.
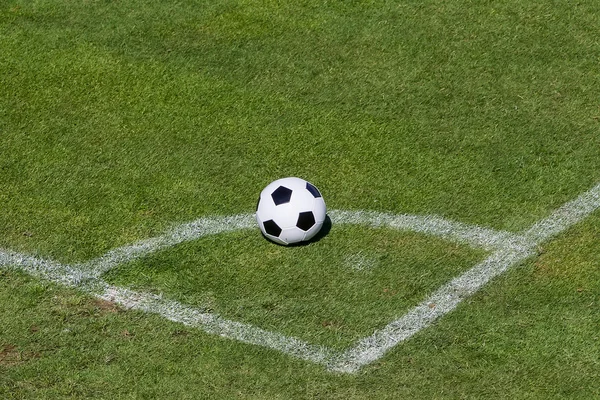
x=179 y=234
x=507 y=249
x=433 y=225
x=475 y=236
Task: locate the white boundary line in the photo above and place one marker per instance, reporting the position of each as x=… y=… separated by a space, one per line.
x=215 y=324
x=442 y=301
x=41 y=268
x=508 y=249
x=172 y=310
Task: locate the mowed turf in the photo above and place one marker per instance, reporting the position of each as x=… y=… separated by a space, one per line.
x=331 y=292
x=120 y=119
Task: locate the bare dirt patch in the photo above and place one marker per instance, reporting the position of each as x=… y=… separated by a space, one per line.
x=11 y=356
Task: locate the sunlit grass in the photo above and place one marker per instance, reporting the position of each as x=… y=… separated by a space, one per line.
x=120 y=119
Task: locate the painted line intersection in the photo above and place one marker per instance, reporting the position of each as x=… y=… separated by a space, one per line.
x=506 y=250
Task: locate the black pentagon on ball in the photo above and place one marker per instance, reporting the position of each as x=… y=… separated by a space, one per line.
x=272 y=228
x=313 y=190
x=281 y=195
x=306 y=220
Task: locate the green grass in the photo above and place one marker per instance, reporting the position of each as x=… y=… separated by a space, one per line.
x=332 y=292
x=120 y=119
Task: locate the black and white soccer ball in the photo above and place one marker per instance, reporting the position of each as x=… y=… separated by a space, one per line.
x=290 y=210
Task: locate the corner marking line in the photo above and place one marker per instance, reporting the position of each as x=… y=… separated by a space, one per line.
x=507 y=249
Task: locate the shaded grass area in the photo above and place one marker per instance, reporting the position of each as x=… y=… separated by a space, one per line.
x=330 y=292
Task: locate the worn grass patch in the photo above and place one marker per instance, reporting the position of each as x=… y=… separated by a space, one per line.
x=10 y=355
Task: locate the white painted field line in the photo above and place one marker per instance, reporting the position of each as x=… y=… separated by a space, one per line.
x=564 y=217
x=442 y=301
x=508 y=249
x=172 y=310
x=42 y=268
x=446 y=298
x=472 y=235
x=214 y=324
x=182 y=233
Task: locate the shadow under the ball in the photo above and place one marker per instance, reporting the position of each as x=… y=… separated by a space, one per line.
x=320 y=235
x=325 y=229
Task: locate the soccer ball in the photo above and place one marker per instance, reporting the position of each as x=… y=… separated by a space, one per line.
x=290 y=210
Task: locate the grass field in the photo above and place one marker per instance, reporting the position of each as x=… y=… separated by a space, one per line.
x=120 y=120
